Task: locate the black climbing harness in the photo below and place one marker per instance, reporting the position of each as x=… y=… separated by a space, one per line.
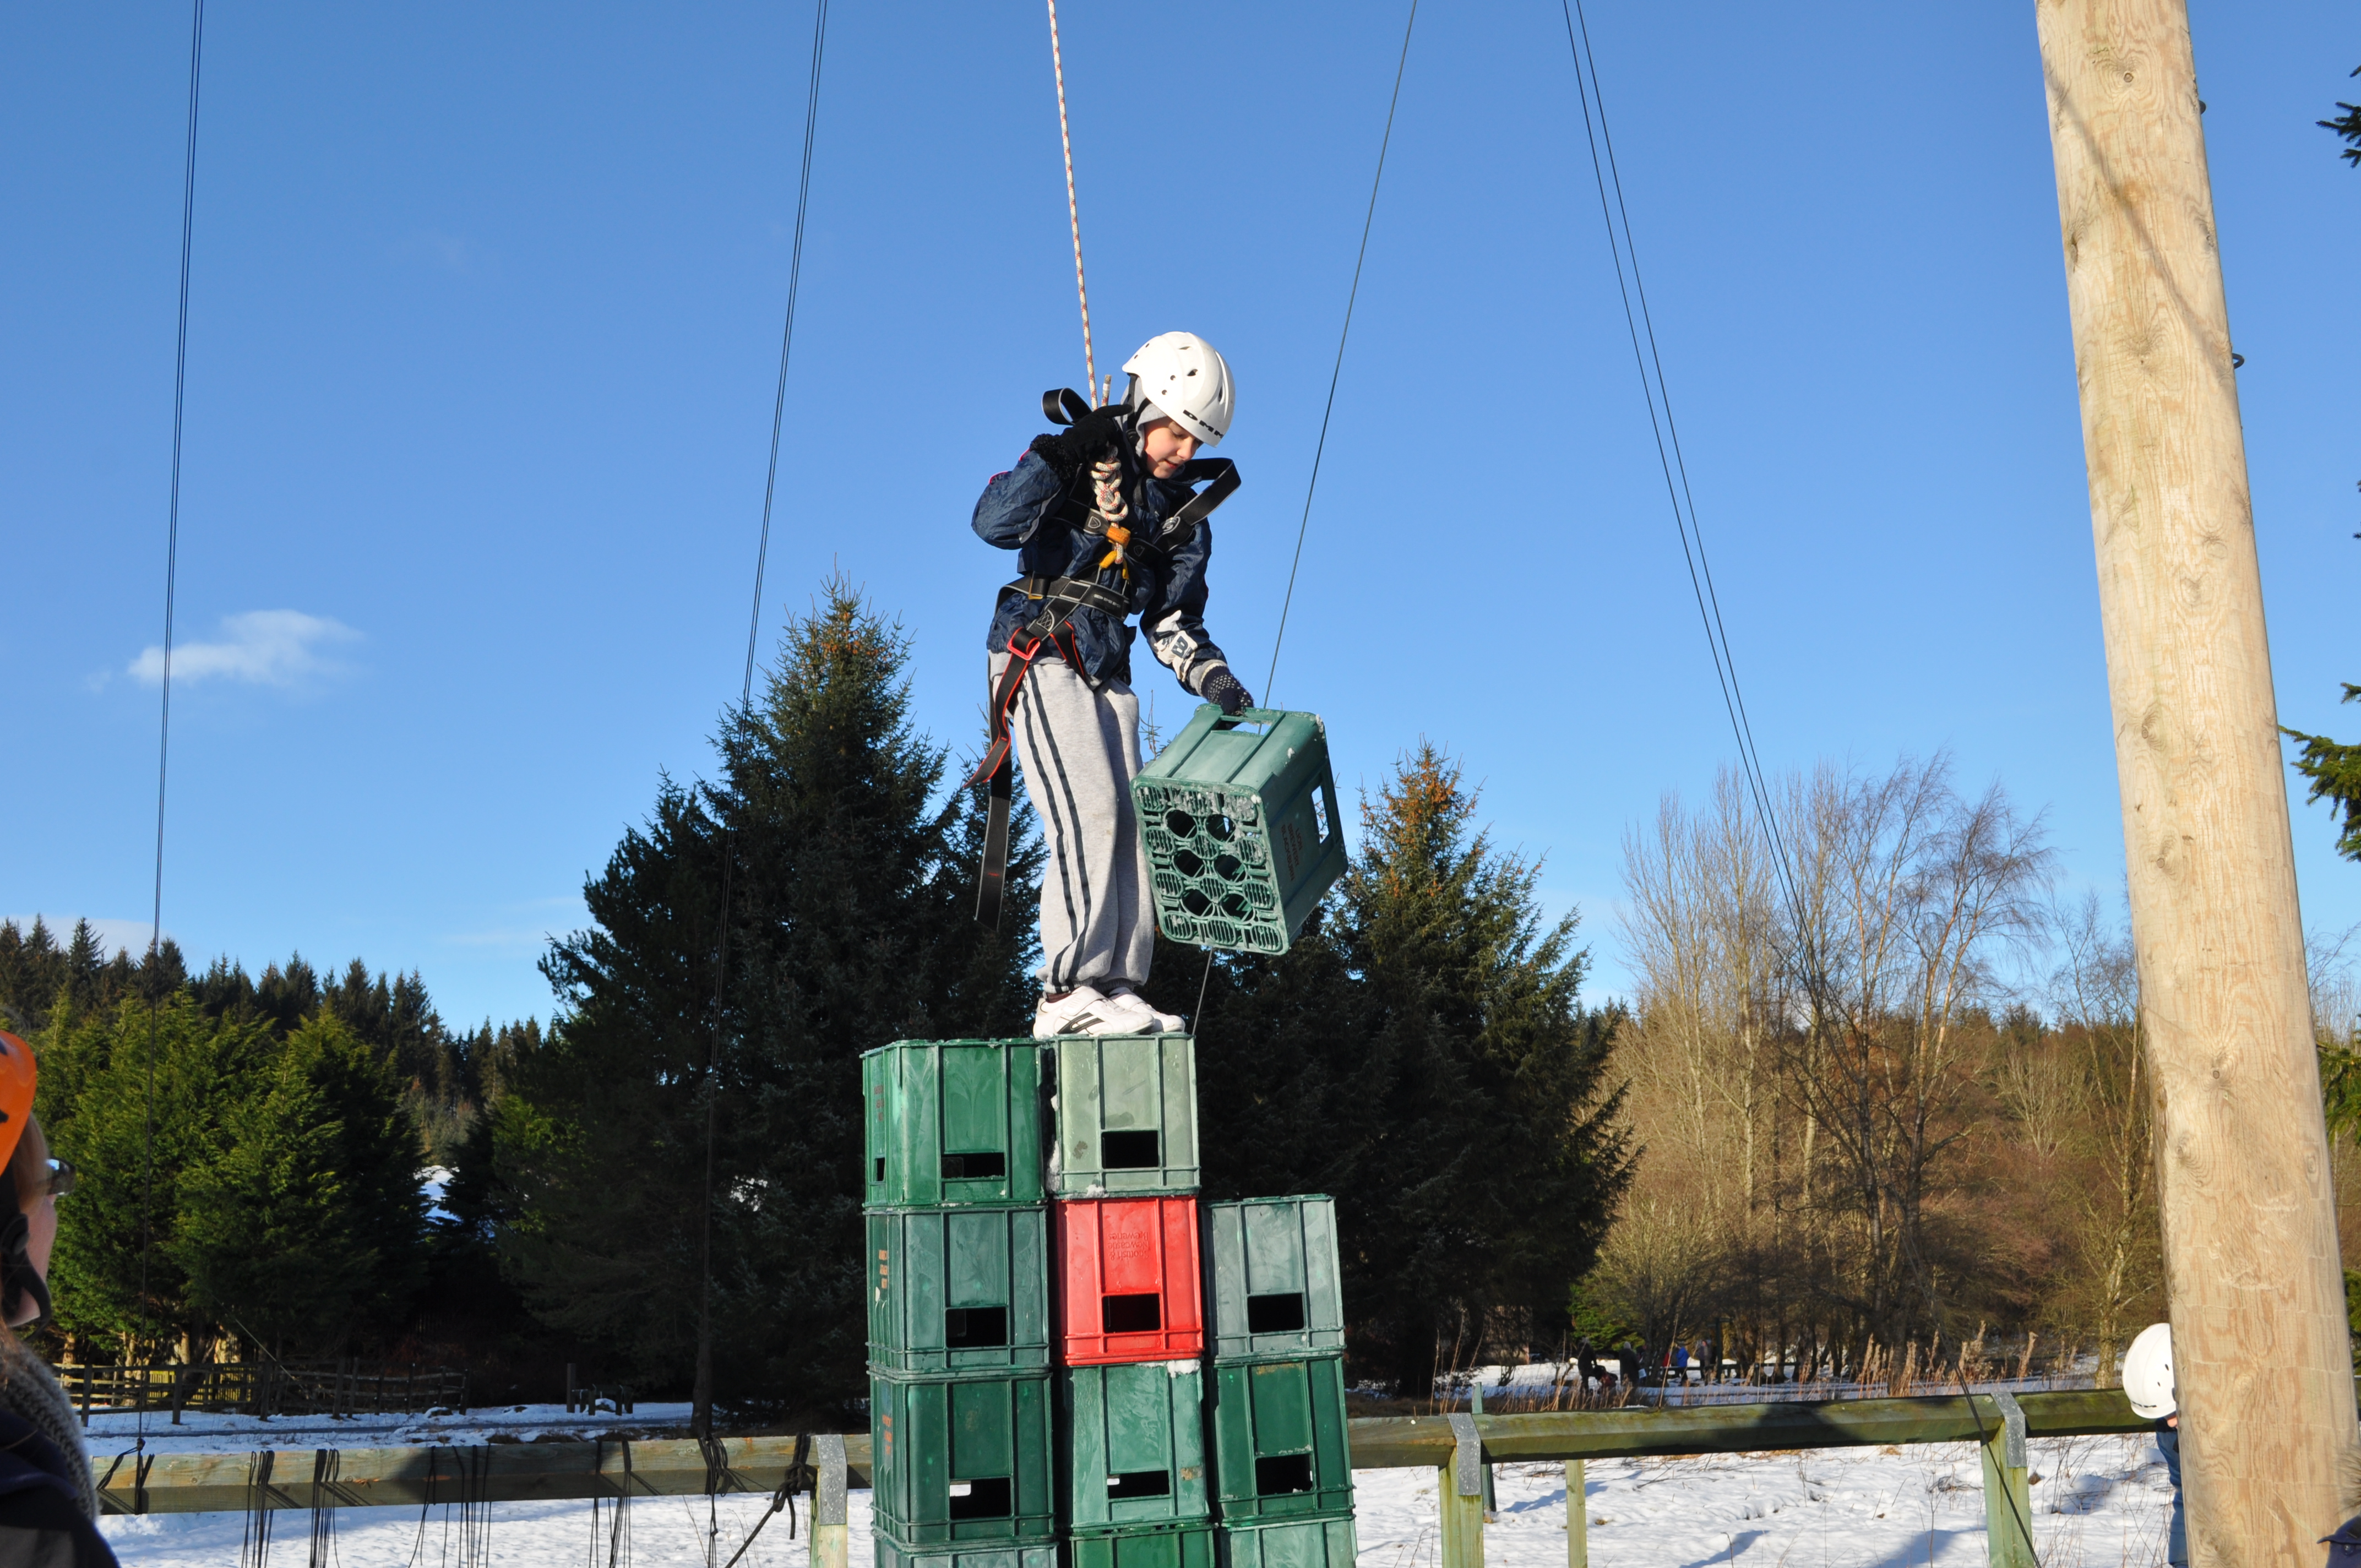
x=1060 y=599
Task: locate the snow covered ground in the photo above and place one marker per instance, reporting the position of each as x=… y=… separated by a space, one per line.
x=2098 y=1502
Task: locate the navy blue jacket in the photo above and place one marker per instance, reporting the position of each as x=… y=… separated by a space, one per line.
x=1047 y=521
x=41 y=1522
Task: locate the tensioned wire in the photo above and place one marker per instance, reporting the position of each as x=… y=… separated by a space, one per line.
x=164 y=715
x=1352 y=296
x=745 y=711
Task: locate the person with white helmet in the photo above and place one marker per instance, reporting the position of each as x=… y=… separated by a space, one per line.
x=2148 y=1384
x=1107 y=524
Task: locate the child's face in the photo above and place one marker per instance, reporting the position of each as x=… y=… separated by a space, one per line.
x=1166 y=446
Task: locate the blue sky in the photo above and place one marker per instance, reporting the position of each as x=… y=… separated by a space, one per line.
x=484 y=323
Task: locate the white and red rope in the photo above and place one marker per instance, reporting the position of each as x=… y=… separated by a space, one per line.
x=1073 y=210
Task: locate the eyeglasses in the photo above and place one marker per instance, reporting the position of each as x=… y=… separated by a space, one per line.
x=61 y=1179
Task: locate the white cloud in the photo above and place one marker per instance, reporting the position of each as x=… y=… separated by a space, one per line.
x=264 y=647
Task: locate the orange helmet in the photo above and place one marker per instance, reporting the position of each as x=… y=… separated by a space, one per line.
x=16 y=1078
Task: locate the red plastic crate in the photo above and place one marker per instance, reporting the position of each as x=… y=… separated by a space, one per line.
x=1128 y=1280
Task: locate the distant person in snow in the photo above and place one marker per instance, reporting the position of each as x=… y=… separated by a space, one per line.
x=49 y=1508
x=1106 y=526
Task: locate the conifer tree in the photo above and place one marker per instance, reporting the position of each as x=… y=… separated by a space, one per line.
x=1497 y=1160
x=850 y=926
x=308 y=1222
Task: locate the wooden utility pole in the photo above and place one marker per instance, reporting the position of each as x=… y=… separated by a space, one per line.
x=2259 y=1342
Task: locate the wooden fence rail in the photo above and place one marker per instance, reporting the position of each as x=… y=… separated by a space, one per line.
x=265 y=1388
x=1457 y=1446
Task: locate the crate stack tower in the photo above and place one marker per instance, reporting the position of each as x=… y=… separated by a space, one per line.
x=1075 y=1363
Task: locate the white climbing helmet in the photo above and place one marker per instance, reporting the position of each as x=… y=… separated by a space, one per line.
x=2147 y=1372
x=1187 y=380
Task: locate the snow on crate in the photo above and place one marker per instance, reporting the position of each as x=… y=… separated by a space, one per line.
x=2099 y=1502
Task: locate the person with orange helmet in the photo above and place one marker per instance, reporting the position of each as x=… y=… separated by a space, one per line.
x=49 y=1509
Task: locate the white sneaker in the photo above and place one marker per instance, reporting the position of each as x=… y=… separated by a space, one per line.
x=1120 y=994
x=1083 y=1011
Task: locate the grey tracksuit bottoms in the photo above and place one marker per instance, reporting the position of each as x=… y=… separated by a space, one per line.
x=1078 y=750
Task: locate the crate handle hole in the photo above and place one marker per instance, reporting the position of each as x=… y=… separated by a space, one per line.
x=1282 y=1473
x=1139 y=1483
x=1275 y=1314
x=881 y=1169
x=975 y=1167
x=975 y=1328
x=1324 y=818
x=988 y=1498
x=1187 y=863
x=1255 y=727
x=1140 y=1314
x=1180 y=824
x=1130 y=1151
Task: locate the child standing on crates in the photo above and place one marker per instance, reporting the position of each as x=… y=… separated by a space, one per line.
x=1106 y=524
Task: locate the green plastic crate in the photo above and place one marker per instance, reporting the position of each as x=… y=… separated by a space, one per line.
x=956 y=1460
x=1131 y=1443
x=1160 y=1546
x=1272 y=1278
x=892 y=1554
x=1240 y=819
x=1126 y=1115
x=1279 y=1448
x=1303 y=1543
x=952 y=1121
x=958 y=1290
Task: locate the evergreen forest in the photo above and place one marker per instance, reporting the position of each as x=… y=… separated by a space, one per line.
x=1890 y=1095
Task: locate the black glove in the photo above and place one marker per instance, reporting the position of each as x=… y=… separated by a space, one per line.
x=1223 y=687
x=1082 y=443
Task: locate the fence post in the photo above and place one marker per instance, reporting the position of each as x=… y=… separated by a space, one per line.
x=2008 y=1500
x=1577 y=1517
x=1459 y=1496
x=831 y=1534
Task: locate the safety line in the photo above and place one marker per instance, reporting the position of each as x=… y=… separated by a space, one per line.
x=164 y=717
x=1073 y=211
x=1351 y=297
x=1656 y=391
x=745 y=710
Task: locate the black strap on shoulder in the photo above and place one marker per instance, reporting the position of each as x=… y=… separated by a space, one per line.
x=1182 y=526
x=1063 y=405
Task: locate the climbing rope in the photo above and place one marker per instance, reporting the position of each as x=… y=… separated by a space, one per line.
x=1336 y=371
x=164 y=719
x=1073 y=213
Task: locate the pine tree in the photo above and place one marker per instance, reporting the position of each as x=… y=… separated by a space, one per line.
x=2334 y=769
x=849 y=926
x=116 y=1275
x=307 y=1224
x=1498 y=1159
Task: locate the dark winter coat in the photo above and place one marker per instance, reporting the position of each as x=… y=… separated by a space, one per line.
x=42 y=1521
x=1050 y=523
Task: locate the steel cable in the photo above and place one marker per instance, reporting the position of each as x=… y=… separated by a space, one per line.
x=1352 y=297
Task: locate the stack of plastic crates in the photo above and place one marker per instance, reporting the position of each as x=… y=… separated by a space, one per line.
x=961 y=1405
x=1073 y=1362
x=1276 y=1332
x=1134 y=1487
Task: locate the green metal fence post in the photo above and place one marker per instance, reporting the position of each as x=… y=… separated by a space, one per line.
x=2008 y=1501
x=1577 y=1517
x=832 y=1536
x=1459 y=1496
